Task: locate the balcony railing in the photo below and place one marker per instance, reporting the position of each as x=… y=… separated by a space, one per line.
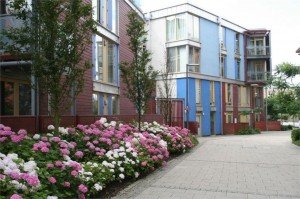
x=258 y=51
x=257 y=76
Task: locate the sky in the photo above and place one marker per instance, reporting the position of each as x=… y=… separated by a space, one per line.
x=282 y=17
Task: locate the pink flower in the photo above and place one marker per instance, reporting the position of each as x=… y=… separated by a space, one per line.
x=73 y=143
x=32 y=180
x=71 y=130
x=50 y=165
x=164 y=163
x=2 y=177
x=55 y=139
x=65 y=151
x=44 y=149
x=52 y=180
x=22 y=132
x=16 y=138
x=86 y=138
x=81 y=196
x=95 y=142
x=144 y=163
x=67 y=184
x=74 y=173
x=6 y=128
x=58 y=163
x=115 y=146
x=44 y=139
x=160 y=156
x=79 y=154
x=82 y=188
x=16 y=196
x=3 y=139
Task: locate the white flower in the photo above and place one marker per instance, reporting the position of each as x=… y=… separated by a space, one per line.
x=89 y=163
x=103 y=120
x=50 y=127
x=136 y=174
x=88 y=173
x=134 y=154
x=12 y=156
x=49 y=135
x=113 y=123
x=120 y=125
x=36 y=136
x=105 y=124
x=127 y=144
x=121 y=148
x=95 y=165
x=163 y=143
x=122 y=154
x=135 y=141
x=98 y=187
x=111 y=170
x=121 y=169
x=116 y=155
x=52 y=197
x=114 y=162
x=66 y=157
x=122 y=176
x=29 y=166
x=132 y=162
x=155 y=123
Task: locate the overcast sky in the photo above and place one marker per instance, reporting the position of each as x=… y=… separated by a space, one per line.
x=282 y=17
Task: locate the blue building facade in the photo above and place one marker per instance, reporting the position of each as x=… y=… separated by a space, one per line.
x=207 y=57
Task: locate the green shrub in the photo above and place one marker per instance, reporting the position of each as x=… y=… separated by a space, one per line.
x=247 y=131
x=286 y=128
x=295 y=135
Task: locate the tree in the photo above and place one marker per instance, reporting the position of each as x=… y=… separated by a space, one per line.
x=53 y=36
x=165 y=90
x=286 y=100
x=138 y=75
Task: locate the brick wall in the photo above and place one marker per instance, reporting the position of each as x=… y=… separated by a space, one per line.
x=270 y=126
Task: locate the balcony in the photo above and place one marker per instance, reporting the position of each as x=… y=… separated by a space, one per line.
x=257 y=77
x=258 y=52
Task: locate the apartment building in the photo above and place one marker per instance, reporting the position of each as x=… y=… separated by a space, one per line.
x=101 y=93
x=218 y=68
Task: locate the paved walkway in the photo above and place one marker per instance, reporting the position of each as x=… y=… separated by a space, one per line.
x=265 y=166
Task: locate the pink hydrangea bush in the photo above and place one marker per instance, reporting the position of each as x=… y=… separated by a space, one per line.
x=81 y=161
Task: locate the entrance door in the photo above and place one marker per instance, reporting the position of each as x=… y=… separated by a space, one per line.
x=199 y=120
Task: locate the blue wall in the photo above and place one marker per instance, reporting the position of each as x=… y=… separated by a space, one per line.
x=218 y=108
x=209 y=38
x=181 y=93
x=242 y=52
x=205 y=92
x=230 y=58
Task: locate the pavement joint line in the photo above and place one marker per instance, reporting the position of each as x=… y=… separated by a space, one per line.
x=195 y=160
x=222 y=191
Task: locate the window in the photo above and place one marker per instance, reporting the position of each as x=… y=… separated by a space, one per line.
x=244 y=96
x=3 y=7
x=183 y=26
x=228 y=90
x=105 y=60
x=223 y=37
x=15 y=98
x=257 y=46
x=107 y=14
x=237 y=43
x=176 y=59
x=114 y=105
x=212 y=93
x=99 y=61
x=229 y=117
x=257 y=71
x=223 y=66
x=110 y=62
x=96 y=103
x=194 y=54
x=238 y=73
x=193 y=27
x=245 y=118
x=198 y=91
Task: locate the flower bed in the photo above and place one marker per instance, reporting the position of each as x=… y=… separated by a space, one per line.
x=80 y=162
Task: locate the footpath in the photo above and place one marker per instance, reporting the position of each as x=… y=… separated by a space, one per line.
x=264 y=166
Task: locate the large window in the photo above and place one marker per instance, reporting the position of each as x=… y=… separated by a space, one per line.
x=194 y=55
x=96 y=104
x=237 y=43
x=105 y=61
x=238 y=69
x=257 y=46
x=107 y=16
x=176 y=59
x=15 y=98
x=183 y=26
x=244 y=96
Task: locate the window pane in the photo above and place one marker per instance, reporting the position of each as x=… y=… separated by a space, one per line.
x=180 y=29
x=110 y=63
x=171 y=60
x=114 y=103
x=182 y=59
x=114 y=16
x=95 y=104
x=99 y=61
x=7 y=98
x=171 y=28
x=24 y=99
